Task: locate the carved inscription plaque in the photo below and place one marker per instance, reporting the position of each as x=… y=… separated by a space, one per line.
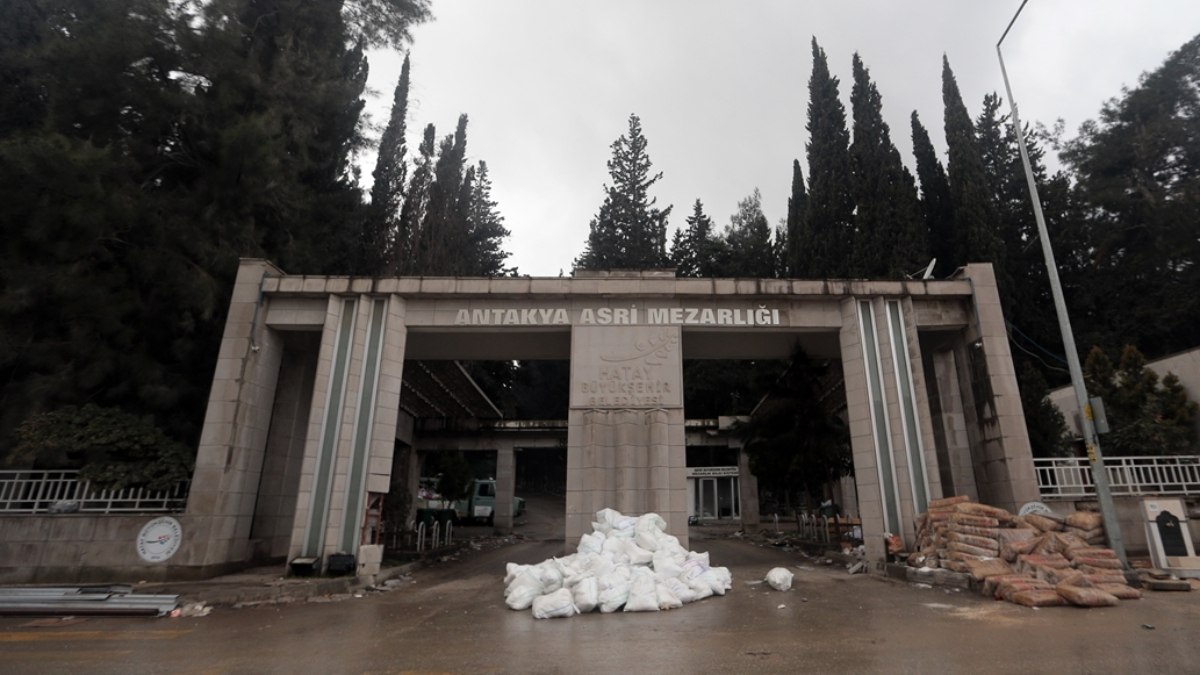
x=626 y=367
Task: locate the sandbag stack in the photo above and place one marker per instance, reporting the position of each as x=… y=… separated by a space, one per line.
x=956 y=532
x=1037 y=560
x=626 y=562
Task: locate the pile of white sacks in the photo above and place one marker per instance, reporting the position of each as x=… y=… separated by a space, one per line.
x=626 y=562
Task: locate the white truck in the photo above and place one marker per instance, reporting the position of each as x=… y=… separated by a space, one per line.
x=480 y=504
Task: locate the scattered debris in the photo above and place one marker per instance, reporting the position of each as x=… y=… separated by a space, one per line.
x=780 y=579
x=781 y=607
x=53 y=622
x=191 y=609
x=1148 y=626
x=857 y=568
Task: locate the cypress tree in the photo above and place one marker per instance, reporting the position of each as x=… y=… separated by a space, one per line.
x=888 y=238
x=976 y=225
x=387 y=190
x=443 y=233
x=796 y=248
x=413 y=212
x=829 y=211
x=935 y=200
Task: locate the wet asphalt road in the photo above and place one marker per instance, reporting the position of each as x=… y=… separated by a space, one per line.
x=452 y=618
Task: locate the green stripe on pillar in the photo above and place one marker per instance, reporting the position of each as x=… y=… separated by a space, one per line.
x=355 y=492
x=330 y=432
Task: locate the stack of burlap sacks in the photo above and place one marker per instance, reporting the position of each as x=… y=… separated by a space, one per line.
x=1032 y=560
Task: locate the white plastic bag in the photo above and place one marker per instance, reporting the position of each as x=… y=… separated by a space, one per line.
x=591 y=543
x=667 y=598
x=681 y=590
x=643 y=593
x=614 y=591
x=586 y=594
x=521 y=593
x=558 y=604
x=780 y=579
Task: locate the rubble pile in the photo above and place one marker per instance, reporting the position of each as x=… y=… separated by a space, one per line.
x=1036 y=560
x=626 y=562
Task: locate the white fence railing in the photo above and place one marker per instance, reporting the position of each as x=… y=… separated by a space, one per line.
x=28 y=492
x=1071 y=477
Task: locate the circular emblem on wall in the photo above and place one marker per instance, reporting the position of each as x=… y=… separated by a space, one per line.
x=1035 y=507
x=159 y=539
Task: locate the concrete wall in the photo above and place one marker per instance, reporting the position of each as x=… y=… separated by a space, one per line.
x=77 y=549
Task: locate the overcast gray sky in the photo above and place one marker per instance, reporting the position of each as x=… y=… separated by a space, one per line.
x=721 y=88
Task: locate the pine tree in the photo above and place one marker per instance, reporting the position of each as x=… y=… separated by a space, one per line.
x=486 y=231
x=387 y=191
x=935 y=200
x=829 y=212
x=748 y=241
x=977 y=235
x=796 y=249
x=888 y=237
x=628 y=231
x=1137 y=169
x=695 y=250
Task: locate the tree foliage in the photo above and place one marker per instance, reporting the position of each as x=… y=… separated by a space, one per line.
x=889 y=233
x=116 y=450
x=145 y=147
x=1146 y=415
x=976 y=229
x=1137 y=173
x=629 y=231
x=792 y=439
x=828 y=223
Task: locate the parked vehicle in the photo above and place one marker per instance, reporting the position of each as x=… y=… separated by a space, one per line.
x=480 y=504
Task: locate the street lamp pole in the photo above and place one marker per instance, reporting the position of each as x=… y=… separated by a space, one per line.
x=1108 y=510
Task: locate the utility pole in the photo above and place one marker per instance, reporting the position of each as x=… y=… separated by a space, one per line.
x=1108 y=510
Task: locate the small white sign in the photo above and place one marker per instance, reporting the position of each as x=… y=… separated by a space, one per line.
x=711 y=471
x=159 y=539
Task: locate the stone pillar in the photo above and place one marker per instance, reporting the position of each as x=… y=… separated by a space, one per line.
x=233 y=439
x=1006 y=458
x=862 y=432
x=625 y=435
x=506 y=478
x=352 y=426
x=748 y=489
x=952 y=424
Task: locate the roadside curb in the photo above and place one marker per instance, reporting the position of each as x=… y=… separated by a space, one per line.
x=291 y=589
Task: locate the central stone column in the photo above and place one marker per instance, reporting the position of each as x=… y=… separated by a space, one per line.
x=625 y=439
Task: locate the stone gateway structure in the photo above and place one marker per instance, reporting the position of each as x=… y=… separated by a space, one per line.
x=304 y=418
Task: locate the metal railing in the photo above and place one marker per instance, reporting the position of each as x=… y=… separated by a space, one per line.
x=440 y=534
x=33 y=492
x=1071 y=477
